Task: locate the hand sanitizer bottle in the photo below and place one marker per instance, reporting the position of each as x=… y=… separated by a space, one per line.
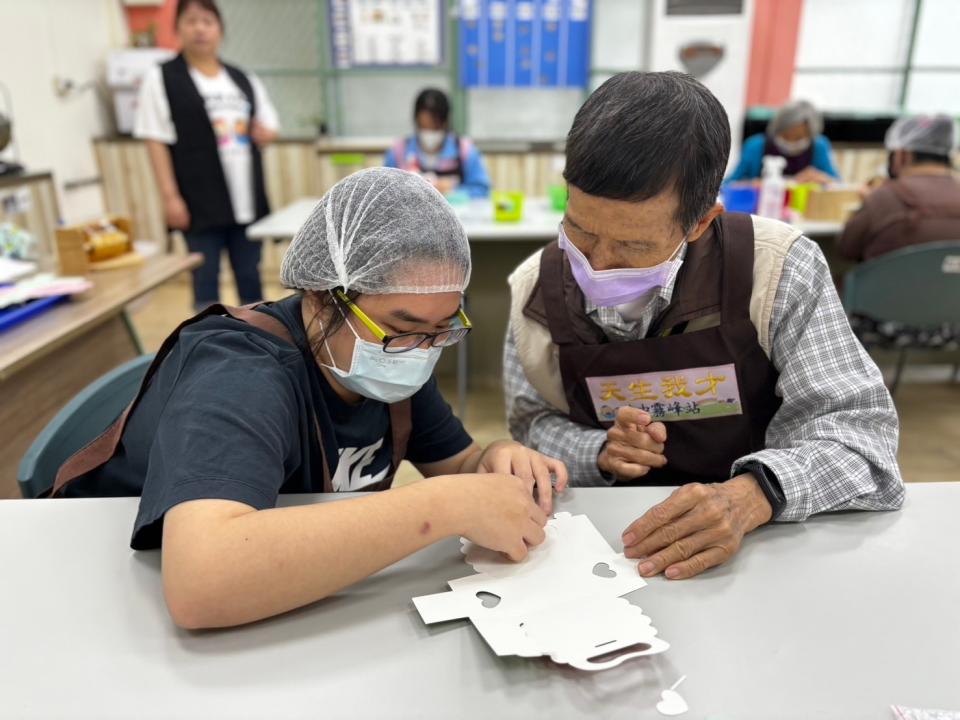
x=773 y=188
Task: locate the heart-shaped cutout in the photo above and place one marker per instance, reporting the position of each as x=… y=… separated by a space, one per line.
x=603 y=570
x=672 y=703
x=487 y=599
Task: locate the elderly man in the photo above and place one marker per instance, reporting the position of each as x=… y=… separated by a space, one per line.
x=920 y=203
x=660 y=341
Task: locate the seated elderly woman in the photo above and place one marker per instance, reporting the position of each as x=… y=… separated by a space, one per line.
x=794 y=133
x=326 y=390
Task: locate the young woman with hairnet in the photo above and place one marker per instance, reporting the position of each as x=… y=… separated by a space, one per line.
x=795 y=133
x=326 y=390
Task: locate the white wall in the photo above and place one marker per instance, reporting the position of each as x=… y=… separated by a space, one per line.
x=622 y=29
x=728 y=79
x=42 y=39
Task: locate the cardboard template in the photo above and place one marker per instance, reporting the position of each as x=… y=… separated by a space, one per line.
x=563 y=601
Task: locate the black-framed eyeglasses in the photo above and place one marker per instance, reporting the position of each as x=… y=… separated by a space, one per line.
x=410 y=341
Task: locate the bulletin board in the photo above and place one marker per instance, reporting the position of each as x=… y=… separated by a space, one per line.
x=386 y=33
x=525 y=43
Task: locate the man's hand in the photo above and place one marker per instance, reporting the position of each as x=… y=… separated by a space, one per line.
x=634 y=445
x=697 y=527
x=511 y=458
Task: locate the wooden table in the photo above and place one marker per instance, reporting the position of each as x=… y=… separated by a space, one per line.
x=47 y=360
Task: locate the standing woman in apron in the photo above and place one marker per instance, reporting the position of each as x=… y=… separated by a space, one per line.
x=204 y=123
x=326 y=390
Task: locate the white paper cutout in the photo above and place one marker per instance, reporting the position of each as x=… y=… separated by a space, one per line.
x=552 y=603
x=671 y=702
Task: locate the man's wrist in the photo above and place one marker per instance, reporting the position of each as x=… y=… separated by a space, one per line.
x=767 y=483
x=752 y=505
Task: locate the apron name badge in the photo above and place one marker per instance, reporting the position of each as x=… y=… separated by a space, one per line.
x=692 y=394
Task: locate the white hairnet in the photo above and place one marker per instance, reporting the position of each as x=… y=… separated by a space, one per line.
x=794 y=113
x=934 y=134
x=380 y=231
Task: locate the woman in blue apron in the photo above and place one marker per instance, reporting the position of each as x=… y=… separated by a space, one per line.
x=794 y=133
x=447 y=161
x=327 y=390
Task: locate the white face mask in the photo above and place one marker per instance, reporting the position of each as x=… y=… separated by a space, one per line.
x=791 y=148
x=387 y=377
x=431 y=140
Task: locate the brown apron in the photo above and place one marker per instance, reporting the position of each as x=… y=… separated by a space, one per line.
x=104 y=446
x=701 y=368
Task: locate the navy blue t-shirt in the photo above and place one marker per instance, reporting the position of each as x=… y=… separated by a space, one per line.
x=229 y=415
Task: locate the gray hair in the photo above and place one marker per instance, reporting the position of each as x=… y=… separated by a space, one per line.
x=794 y=113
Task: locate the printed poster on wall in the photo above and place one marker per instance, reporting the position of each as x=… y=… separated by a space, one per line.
x=385 y=33
x=525 y=43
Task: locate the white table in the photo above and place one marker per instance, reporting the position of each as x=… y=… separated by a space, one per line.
x=820 y=228
x=539 y=222
x=835 y=618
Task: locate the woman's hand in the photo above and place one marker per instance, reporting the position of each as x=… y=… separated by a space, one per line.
x=261 y=134
x=444 y=185
x=175 y=212
x=497 y=511
x=811 y=174
x=512 y=458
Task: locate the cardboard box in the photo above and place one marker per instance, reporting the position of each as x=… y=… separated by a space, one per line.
x=831 y=205
x=82 y=248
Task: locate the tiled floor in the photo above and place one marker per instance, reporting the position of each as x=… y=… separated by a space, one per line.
x=928 y=404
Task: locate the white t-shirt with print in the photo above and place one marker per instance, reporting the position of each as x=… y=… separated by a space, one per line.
x=228 y=110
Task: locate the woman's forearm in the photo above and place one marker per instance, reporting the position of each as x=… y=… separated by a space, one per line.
x=227 y=564
x=163 y=169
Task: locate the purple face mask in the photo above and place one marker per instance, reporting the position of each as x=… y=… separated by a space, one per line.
x=610 y=288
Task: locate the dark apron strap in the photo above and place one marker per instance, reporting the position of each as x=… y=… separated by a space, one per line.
x=104 y=446
x=327 y=481
x=555 y=304
x=401 y=424
x=736 y=240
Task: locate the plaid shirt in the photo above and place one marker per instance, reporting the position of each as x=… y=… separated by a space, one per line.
x=832 y=444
